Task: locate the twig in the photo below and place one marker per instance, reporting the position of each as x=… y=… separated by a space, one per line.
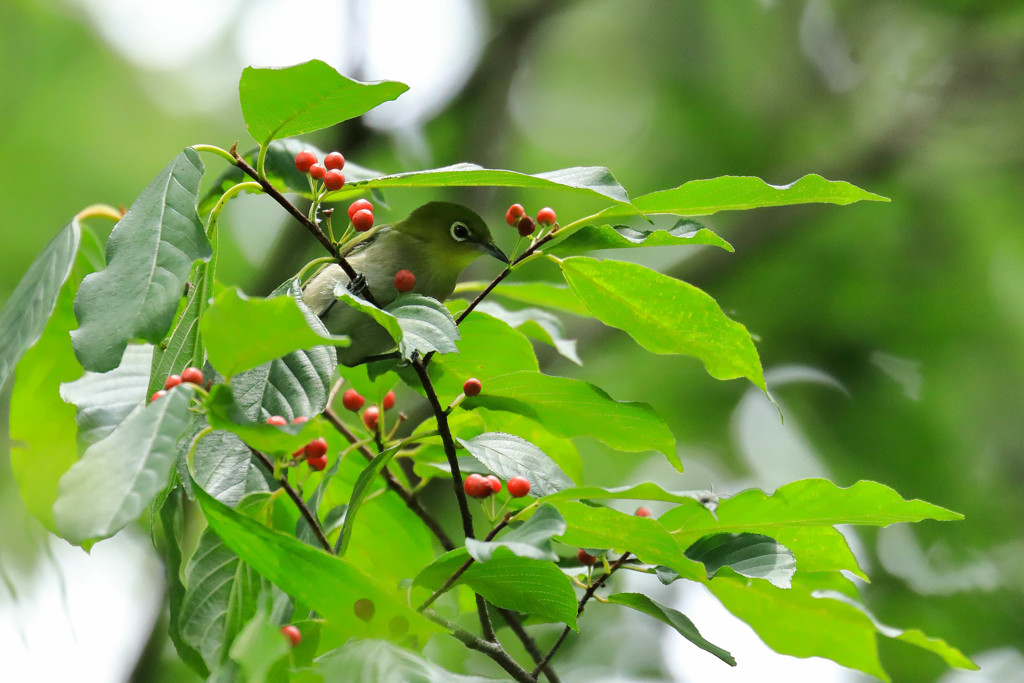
x=294 y=495
x=512 y=619
x=589 y=593
x=493 y=650
x=465 y=565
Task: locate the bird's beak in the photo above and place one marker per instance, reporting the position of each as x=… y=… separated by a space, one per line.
x=492 y=249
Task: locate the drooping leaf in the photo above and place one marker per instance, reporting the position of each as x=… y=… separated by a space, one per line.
x=105 y=399
x=242 y=332
x=597 y=237
x=378 y=660
x=510 y=456
x=664 y=315
x=25 y=314
x=537 y=324
x=570 y=408
x=753 y=555
x=532 y=539
x=120 y=475
x=149 y=255
x=279 y=103
x=546 y=294
x=674 y=618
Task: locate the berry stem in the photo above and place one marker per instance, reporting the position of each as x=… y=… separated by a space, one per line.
x=213 y=149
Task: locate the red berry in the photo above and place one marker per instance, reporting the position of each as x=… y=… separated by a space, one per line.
x=277 y=421
x=317 y=171
x=585 y=557
x=352 y=400
x=518 y=486
x=317 y=464
x=642 y=512
x=299 y=420
x=316 y=448
x=526 y=226
x=334 y=160
x=389 y=400
x=359 y=205
x=172 y=381
x=546 y=216
x=304 y=160
x=292 y=633
x=514 y=213
x=362 y=220
x=156 y=395
x=493 y=482
x=370 y=417
x=476 y=486
x=404 y=280
x=471 y=387
x=334 y=180
x=192 y=376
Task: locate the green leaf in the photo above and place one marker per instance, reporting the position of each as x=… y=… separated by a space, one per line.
x=184 y=346
x=594 y=181
x=546 y=294
x=149 y=255
x=417 y=323
x=278 y=103
x=752 y=555
x=537 y=324
x=119 y=476
x=380 y=661
x=259 y=646
x=728 y=193
x=224 y=413
x=328 y=584
x=522 y=584
x=389 y=537
x=105 y=399
x=509 y=456
x=677 y=620
x=570 y=408
x=644 y=491
x=664 y=315
x=242 y=332
x=597 y=237
x=532 y=539
x=24 y=315
x=173 y=522
x=366 y=478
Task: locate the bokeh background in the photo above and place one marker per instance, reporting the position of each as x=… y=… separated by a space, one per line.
x=892 y=334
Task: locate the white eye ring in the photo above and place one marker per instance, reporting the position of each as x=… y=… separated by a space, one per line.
x=459 y=231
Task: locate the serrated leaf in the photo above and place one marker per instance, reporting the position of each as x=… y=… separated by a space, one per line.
x=538 y=324
x=532 y=539
x=753 y=555
x=415 y=322
x=510 y=456
x=589 y=238
x=674 y=618
x=105 y=399
x=665 y=315
x=149 y=255
x=119 y=476
x=278 y=103
x=25 y=314
x=570 y=408
x=378 y=661
x=547 y=294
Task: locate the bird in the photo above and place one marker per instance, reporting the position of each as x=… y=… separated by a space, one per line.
x=435 y=242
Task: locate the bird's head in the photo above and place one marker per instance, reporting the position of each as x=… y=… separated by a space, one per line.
x=454 y=232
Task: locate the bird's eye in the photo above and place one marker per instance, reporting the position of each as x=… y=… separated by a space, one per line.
x=460 y=232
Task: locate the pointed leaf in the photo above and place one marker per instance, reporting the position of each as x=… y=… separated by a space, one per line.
x=597 y=237
x=532 y=539
x=149 y=255
x=752 y=555
x=537 y=324
x=674 y=618
x=359 y=491
x=278 y=103
x=509 y=456
x=105 y=399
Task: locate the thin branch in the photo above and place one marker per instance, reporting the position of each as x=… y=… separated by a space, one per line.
x=589 y=593
x=294 y=495
x=491 y=649
x=512 y=619
x=465 y=565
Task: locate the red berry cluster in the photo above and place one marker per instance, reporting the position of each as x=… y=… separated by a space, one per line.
x=329 y=172
x=517 y=218
x=353 y=400
x=188 y=376
x=314 y=452
x=479 y=486
x=360 y=212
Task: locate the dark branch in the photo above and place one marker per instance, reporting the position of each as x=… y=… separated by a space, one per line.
x=491 y=649
x=512 y=619
x=294 y=495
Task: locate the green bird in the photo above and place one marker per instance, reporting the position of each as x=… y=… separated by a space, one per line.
x=435 y=242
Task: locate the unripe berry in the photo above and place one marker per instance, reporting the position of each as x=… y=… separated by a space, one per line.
x=493 y=482
x=514 y=213
x=471 y=387
x=518 y=486
x=526 y=226
x=362 y=220
x=352 y=400
x=642 y=512
x=317 y=464
x=172 y=381
x=585 y=557
x=334 y=160
x=405 y=280
x=292 y=633
x=370 y=417
x=546 y=216
x=156 y=395
x=317 y=171
x=299 y=420
x=304 y=160
x=277 y=421
x=359 y=205
x=316 y=448
x=476 y=486
x=389 y=400
x=334 y=180
x=192 y=376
